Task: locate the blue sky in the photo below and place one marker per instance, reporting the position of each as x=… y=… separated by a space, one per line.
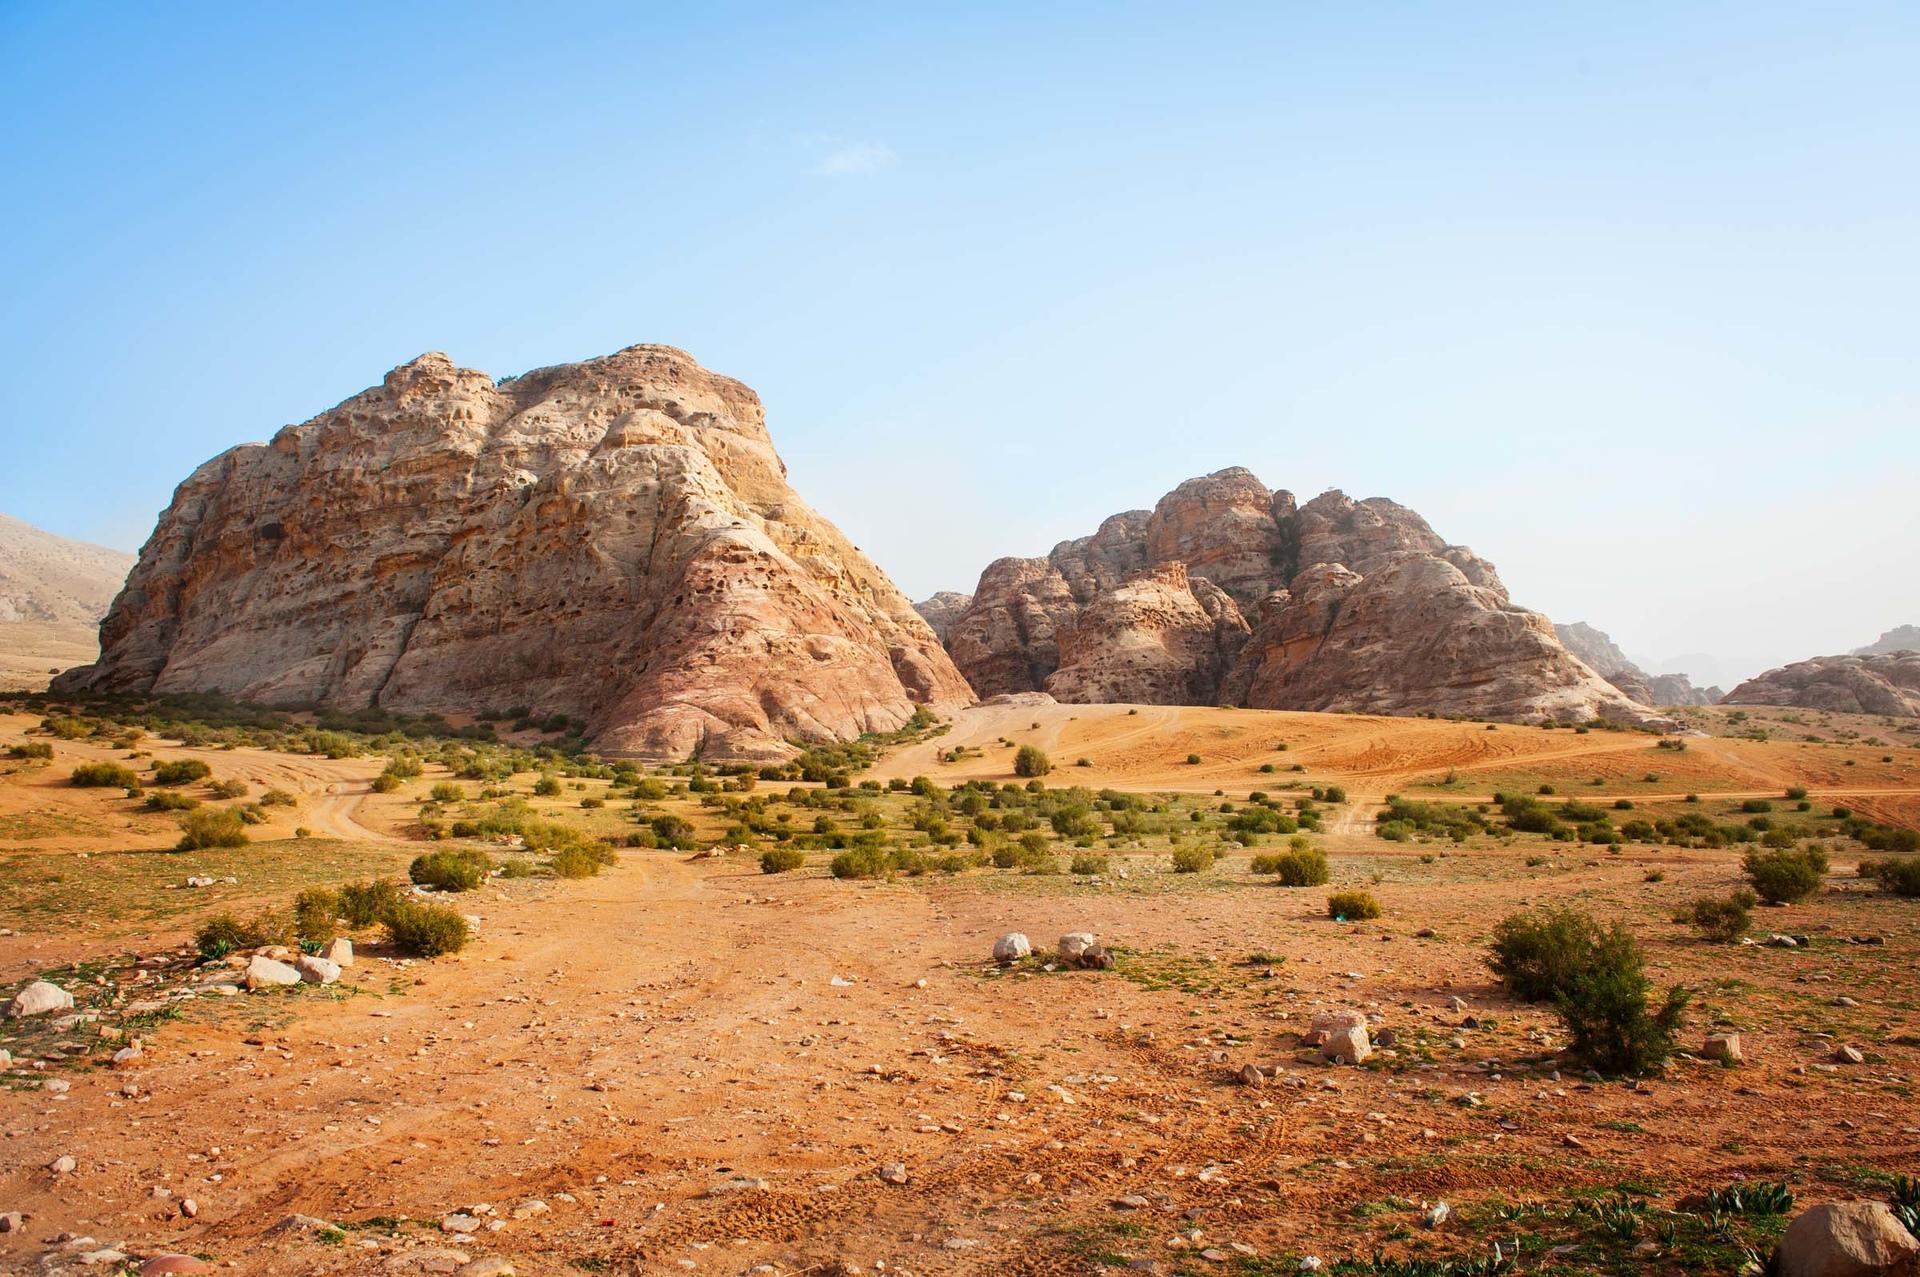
x=1624 y=300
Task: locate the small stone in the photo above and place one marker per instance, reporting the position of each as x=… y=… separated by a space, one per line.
x=174 y=1264
x=266 y=973
x=1439 y=1215
x=1724 y=1047
x=1131 y=1201
x=1011 y=948
x=339 y=952
x=1075 y=943
x=528 y=1209
x=1252 y=1075
x=317 y=970
x=1844 y=1054
x=12 y=1221
x=39 y=998
x=63 y=1165
x=490 y=1266
x=893 y=1173
x=189 y=1208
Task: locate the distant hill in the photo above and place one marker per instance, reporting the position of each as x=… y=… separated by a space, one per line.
x=1901 y=638
x=49 y=579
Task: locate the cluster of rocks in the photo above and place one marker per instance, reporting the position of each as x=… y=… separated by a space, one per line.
x=613 y=540
x=1228 y=593
x=1074 y=949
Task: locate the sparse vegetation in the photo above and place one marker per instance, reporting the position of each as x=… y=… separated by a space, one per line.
x=105 y=776
x=426 y=930
x=210 y=827
x=1352 y=906
x=458 y=869
x=1786 y=875
x=1596 y=979
x=1030 y=761
x=1720 y=918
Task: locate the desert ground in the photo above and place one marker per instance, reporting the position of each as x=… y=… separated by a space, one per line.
x=685 y=1064
x=31 y=652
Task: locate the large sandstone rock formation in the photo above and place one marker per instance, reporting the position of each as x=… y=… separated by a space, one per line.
x=1901 y=638
x=1605 y=658
x=613 y=540
x=49 y=579
x=942 y=610
x=1227 y=593
x=1852 y=684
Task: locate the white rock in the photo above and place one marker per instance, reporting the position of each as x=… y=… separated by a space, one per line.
x=1075 y=943
x=39 y=998
x=317 y=970
x=1011 y=947
x=1327 y=1023
x=63 y=1165
x=1348 y=1045
x=1724 y=1047
x=340 y=952
x=265 y=973
x=1846 y=1239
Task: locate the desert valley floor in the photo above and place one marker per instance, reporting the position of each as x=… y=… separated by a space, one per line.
x=684 y=1064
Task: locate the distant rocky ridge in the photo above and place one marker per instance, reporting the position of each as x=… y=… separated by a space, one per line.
x=1228 y=593
x=1606 y=659
x=47 y=578
x=1901 y=638
x=942 y=610
x=614 y=540
x=1879 y=684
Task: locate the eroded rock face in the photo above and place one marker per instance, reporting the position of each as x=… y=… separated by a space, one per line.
x=1901 y=638
x=1851 y=684
x=614 y=540
x=942 y=610
x=1605 y=658
x=1228 y=593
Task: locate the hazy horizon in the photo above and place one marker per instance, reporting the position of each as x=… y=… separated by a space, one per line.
x=1621 y=300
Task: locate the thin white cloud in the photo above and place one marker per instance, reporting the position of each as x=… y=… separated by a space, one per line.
x=844 y=158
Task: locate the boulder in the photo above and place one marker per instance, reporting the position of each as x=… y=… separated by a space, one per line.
x=159 y=1264
x=339 y=952
x=1846 y=1239
x=1011 y=947
x=316 y=970
x=1347 y=1046
x=1329 y=1022
x=39 y=998
x=265 y=973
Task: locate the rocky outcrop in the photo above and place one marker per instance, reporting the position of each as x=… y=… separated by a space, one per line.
x=613 y=540
x=1229 y=593
x=1850 y=684
x=1605 y=658
x=1901 y=638
x=942 y=610
x=45 y=578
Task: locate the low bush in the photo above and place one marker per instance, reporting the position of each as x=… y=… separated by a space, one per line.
x=457 y=869
x=223 y=934
x=1296 y=867
x=1596 y=978
x=1786 y=875
x=1352 y=906
x=861 y=862
x=447 y=792
x=278 y=798
x=233 y=788
x=32 y=749
x=385 y=783
x=180 y=771
x=548 y=786
x=362 y=904
x=779 y=860
x=425 y=930
x=1901 y=876
x=316 y=915
x=1720 y=918
x=1090 y=864
x=208 y=827
x=1030 y=761
x=167 y=800
x=1192 y=860
x=105 y=776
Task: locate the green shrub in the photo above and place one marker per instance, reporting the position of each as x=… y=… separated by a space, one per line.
x=1352 y=906
x=1786 y=875
x=1296 y=867
x=860 y=862
x=385 y=783
x=456 y=869
x=425 y=930
x=1334 y=794
x=362 y=904
x=316 y=914
x=208 y=827
x=32 y=749
x=1090 y=864
x=1192 y=860
x=573 y=861
x=223 y=933
x=1755 y=806
x=1193 y=760
x=1721 y=918
x=278 y=798
x=180 y=771
x=1901 y=876
x=1596 y=978
x=447 y=792
x=1796 y=793
x=779 y=860
x=1031 y=761
x=230 y=788
x=105 y=776
x=548 y=786
x=165 y=800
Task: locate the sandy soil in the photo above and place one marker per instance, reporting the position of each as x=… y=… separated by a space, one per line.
x=31 y=651
x=698 y=1067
